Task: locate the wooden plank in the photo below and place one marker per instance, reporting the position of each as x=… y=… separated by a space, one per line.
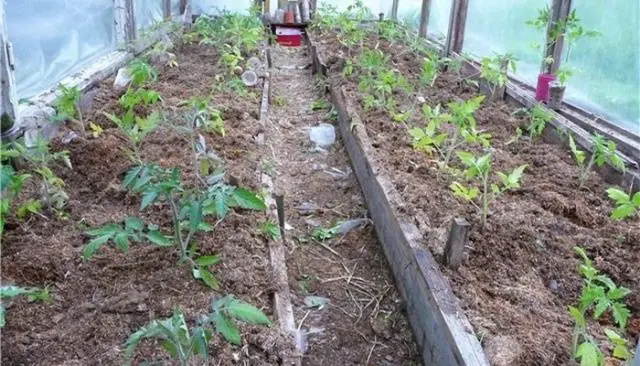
x=553 y=48
x=166 y=9
x=394 y=10
x=424 y=18
x=8 y=100
x=443 y=335
x=457 y=241
x=124 y=21
x=183 y=6
x=457 y=24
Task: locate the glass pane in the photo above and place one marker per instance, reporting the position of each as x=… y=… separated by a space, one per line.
x=52 y=39
x=409 y=12
x=608 y=77
x=496 y=26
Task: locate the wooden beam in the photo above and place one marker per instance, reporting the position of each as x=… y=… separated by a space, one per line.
x=8 y=101
x=457 y=23
x=166 y=9
x=183 y=6
x=186 y=12
x=124 y=21
x=424 y=18
x=394 y=10
x=560 y=9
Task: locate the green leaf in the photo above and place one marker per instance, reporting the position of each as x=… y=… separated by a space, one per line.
x=578 y=317
x=467 y=158
x=636 y=199
x=617 y=195
x=621 y=314
x=200 y=341
x=623 y=211
x=2 y=311
x=133 y=341
x=147 y=199
x=614 y=337
x=133 y=223
x=159 y=239
x=588 y=354
x=225 y=326
x=622 y=352
x=131 y=176
x=208 y=260
x=602 y=304
x=204 y=226
x=170 y=347
x=109 y=229
x=195 y=216
x=247 y=313
x=618 y=293
x=207 y=277
x=122 y=241
x=248 y=200
x=95 y=244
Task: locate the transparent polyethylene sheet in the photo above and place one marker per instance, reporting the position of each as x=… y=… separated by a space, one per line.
x=606 y=79
x=409 y=12
x=148 y=12
x=52 y=39
x=490 y=30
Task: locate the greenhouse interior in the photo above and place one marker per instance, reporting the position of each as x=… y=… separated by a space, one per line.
x=302 y=182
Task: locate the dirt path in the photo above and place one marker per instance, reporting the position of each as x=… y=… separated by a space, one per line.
x=363 y=322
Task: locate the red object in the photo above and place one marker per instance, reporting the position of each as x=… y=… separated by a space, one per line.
x=291 y=37
x=542 y=89
x=289 y=17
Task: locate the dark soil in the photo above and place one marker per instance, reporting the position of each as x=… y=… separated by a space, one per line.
x=521 y=272
x=97 y=304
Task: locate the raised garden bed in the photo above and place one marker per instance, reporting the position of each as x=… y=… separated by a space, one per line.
x=520 y=272
x=97 y=303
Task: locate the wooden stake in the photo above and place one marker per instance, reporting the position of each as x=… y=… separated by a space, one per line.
x=458 y=238
x=424 y=18
x=280 y=207
x=560 y=9
x=8 y=101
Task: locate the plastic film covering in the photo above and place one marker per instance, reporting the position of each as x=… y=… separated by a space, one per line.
x=496 y=26
x=52 y=39
x=148 y=12
x=409 y=12
x=606 y=78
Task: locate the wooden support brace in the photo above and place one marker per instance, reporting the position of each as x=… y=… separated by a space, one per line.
x=424 y=18
x=560 y=9
x=458 y=238
x=124 y=21
x=457 y=24
x=394 y=10
x=166 y=9
x=8 y=102
x=186 y=12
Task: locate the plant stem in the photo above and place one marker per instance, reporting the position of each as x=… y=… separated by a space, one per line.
x=585 y=172
x=452 y=147
x=176 y=226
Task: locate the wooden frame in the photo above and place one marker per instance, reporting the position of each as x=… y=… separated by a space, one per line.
x=560 y=9
x=425 y=10
x=8 y=100
x=124 y=21
x=166 y=9
x=457 y=24
x=394 y=10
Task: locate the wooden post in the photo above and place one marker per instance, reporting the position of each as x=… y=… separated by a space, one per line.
x=166 y=9
x=560 y=9
x=424 y=18
x=394 y=10
x=186 y=12
x=124 y=21
x=183 y=6
x=458 y=238
x=457 y=23
x=8 y=101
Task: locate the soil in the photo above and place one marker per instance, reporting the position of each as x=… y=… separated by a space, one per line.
x=97 y=304
x=521 y=272
x=364 y=321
